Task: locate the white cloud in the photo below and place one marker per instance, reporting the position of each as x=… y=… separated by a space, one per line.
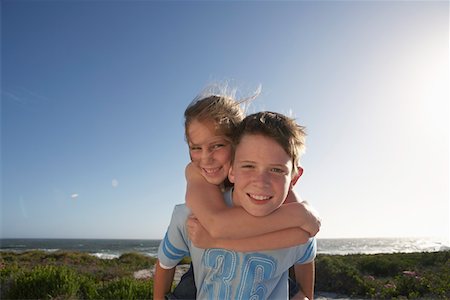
x=115 y=183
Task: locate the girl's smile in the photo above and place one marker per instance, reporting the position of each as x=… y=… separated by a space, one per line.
x=209 y=151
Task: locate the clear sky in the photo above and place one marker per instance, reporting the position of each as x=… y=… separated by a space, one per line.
x=93 y=94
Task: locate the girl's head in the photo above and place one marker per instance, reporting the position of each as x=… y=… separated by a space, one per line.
x=225 y=112
x=209 y=126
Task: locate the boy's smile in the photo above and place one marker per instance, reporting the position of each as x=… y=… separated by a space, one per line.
x=261 y=174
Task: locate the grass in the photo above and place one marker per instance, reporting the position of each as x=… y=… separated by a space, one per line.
x=75 y=275
x=386 y=276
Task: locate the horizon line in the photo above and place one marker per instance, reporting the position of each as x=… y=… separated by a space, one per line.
x=147 y=238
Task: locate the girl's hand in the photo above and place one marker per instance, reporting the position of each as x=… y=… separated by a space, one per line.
x=198 y=235
x=309 y=219
x=313 y=220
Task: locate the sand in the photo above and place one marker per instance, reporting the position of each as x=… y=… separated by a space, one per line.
x=148 y=273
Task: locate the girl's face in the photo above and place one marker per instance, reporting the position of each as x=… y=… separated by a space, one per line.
x=210 y=151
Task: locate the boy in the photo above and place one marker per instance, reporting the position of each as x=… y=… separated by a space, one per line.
x=268 y=146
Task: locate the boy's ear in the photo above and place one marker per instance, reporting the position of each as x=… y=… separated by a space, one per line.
x=297 y=176
x=231 y=174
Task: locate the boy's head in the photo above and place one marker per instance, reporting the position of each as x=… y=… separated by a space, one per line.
x=209 y=126
x=267 y=150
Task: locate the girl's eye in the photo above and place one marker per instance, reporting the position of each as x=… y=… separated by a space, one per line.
x=195 y=148
x=217 y=146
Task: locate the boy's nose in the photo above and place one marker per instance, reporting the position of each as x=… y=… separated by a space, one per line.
x=261 y=179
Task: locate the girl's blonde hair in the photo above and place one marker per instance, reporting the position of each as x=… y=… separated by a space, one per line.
x=218 y=105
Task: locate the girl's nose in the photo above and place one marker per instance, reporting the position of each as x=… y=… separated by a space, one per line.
x=206 y=155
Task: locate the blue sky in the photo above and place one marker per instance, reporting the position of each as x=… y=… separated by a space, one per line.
x=93 y=94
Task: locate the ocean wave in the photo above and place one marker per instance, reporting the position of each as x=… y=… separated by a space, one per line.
x=48 y=250
x=110 y=249
x=105 y=255
x=382 y=245
x=13 y=246
x=24 y=249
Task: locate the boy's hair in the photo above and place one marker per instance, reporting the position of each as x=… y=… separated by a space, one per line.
x=223 y=111
x=285 y=131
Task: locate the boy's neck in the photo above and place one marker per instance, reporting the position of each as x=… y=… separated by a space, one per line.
x=235 y=199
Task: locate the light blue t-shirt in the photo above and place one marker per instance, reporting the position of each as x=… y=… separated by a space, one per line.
x=226 y=274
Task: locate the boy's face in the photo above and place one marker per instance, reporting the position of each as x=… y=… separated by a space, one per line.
x=261 y=173
x=209 y=151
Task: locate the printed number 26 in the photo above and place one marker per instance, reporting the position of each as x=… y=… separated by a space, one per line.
x=256 y=268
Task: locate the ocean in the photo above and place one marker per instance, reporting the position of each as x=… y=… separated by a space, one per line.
x=109 y=249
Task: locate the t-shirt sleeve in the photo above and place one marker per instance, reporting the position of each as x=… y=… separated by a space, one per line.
x=174 y=246
x=308 y=253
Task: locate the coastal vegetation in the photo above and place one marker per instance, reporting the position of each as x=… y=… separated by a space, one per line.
x=75 y=275
x=386 y=276
x=72 y=275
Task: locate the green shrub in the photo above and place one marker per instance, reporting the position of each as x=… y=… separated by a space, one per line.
x=439 y=282
x=136 y=260
x=412 y=286
x=61 y=275
x=88 y=288
x=335 y=275
x=126 y=288
x=5 y=273
x=44 y=283
x=185 y=261
x=379 y=266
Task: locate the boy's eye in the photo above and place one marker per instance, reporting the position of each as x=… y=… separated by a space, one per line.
x=277 y=170
x=194 y=148
x=247 y=166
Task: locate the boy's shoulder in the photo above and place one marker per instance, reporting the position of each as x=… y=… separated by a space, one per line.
x=180 y=206
x=180 y=211
x=307 y=252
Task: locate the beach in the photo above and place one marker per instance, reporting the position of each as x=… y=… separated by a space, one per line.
x=181 y=269
x=97 y=273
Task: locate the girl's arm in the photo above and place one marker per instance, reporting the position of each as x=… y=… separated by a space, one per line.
x=270 y=241
x=206 y=202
